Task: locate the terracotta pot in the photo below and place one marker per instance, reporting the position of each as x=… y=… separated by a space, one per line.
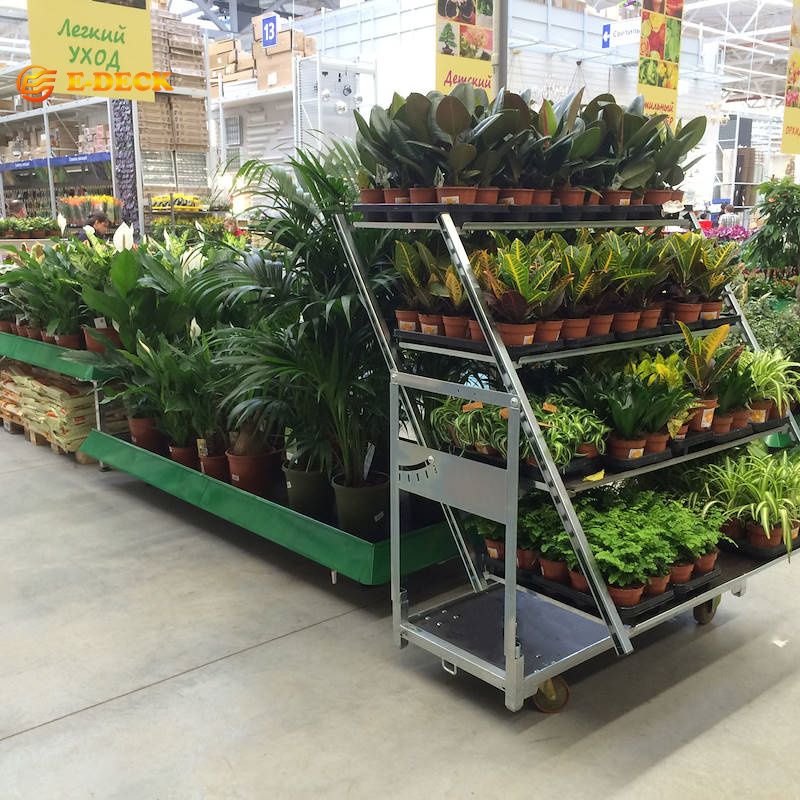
x=575 y=328
x=681 y=434
x=396 y=196
x=422 y=194
x=5 y=326
x=542 y=197
x=456 y=194
x=94 y=345
x=588 y=451
x=38 y=234
x=144 y=434
x=625 y=598
x=71 y=340
x=485 y=449
x=431 y=324
x=48 y=339
x=637 y=199
x=34 y=333
x=570 y=197
x=677 y=195
x=515 y=335
x=626 y=321
x=732 y=529
x=740 y=418
x=456 y=327
x=185 y=455
x=407 y=320
x=22 y=235
x=554 y=570
x=687 y=312
x=704 y=416
x=759 y=410
x=706 y=563
x=254 y=473
x=626 y=448
x=548 y=330
x=22 y=330
x=680 y=573
x=757 y=537
x=656 y=442
x=495 y=549
x=216 y=467
x=526 y=559
x=14 y=328
x=657 y=197
x=600 y=324
x=578 y=581
x=650 y=318
x=722 y=423
x=515 y=197
x=711 y=310
x=591 y=199
x=615 y=197
x=487 y=195
x=371 y=196
x=475 y=332
x=657 y=585
x=363 y=510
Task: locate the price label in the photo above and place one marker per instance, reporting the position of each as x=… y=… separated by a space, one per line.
x=471 y=406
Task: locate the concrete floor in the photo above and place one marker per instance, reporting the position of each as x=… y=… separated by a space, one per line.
x=151 y=652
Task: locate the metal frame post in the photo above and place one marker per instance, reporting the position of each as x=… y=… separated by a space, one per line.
x=384 y=341
x=98 y=416
x=50 y=182
x=555 y=485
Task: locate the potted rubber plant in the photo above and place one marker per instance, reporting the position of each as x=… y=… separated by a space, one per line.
x=703 y=371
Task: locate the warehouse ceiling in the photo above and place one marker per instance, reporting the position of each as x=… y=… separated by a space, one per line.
x=235 y=15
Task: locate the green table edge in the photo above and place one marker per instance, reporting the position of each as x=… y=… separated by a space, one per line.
x=47 y=356
x=356 y=558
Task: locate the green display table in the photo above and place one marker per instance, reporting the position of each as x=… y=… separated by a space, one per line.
x=360 y=560
x=47 y=356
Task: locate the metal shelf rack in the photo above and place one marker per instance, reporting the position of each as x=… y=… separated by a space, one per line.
x=540 y=637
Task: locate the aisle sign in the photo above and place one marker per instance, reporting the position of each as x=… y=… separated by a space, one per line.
x=790 y=141
x=269 y=30
x=92 y=36
x=621 y=32
x=464 y=44
x=660 y=56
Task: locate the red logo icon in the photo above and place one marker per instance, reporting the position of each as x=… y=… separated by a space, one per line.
x=36 y=83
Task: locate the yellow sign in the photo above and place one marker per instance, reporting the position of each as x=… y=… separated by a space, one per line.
x=660 y=56
x=790 y=141
x=92 y=36
x=464 y=44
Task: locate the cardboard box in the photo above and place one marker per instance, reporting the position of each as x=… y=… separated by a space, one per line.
x=287 y=40
x=244 y=61
x=310 y=46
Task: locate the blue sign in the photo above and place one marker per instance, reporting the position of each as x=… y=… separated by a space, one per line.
x=606 y=35
x=58 y=161
x=269 y=31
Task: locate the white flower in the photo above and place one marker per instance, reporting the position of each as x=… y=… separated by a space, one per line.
x=89 y=231
x=195 y=331
x=191 y=259
x=62 y=222
x=123 y=238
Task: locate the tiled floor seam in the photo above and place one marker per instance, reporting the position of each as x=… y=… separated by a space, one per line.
x=188 y=671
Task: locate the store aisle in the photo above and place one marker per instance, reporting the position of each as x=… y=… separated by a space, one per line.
x=151 y=651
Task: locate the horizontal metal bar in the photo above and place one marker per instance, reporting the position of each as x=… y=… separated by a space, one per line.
x=575 y=486
x=404 y=226
x=533 y=679
x=470 y=663
x=565 y=225
x=444 y=351
x=467 y=392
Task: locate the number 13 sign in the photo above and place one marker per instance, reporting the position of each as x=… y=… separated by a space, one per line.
x=269 y=30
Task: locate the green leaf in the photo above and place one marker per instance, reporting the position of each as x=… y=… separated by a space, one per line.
x=124 y=272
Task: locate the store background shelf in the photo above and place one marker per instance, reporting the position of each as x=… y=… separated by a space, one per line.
x=356 y=558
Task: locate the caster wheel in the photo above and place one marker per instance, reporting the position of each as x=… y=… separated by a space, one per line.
x=553 y=696
x=705 y=612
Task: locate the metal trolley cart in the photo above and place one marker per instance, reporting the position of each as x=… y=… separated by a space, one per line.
x=515 y=638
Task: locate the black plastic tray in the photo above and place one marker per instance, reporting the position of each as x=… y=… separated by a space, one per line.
x=757 y=553
x=576 y=468
x=694 y=584
x=475 y=346
x=732 y=436
x=760 y=427
x=639 y=333
x=626 y=464
x=589 y=341
x=680 y=447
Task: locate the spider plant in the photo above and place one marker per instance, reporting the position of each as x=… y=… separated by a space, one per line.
x=774 y=377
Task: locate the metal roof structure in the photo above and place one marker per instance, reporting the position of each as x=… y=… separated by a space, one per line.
x=235 y=15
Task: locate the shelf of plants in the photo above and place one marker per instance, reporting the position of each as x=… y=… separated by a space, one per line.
x=628 y=373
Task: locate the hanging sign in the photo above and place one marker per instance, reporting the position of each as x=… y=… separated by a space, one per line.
x=95 y=47
x=790 y=141
x=660 y=56
x=464 y=44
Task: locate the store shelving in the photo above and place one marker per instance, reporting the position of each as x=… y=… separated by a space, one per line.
x=506 y=635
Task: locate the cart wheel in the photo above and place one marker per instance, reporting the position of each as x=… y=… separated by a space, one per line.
x=553 y=696
x=705 y=612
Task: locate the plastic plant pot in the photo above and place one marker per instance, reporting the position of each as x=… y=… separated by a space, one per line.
x=570 y=197
x=656 y=585
x=680 y=573
x=577 y=580
x=514 y=335
x=396 y=196
x=216 y=467
x=656 y=442
x=71 y=340
x=625 y=598
x=34 y=333
x=600 y=324
x=456 y=327
x=650 y=318
x=554 y=570
x=575 y=328
x=548 y=330
x=687 y=312
x=455 y=194
x=588 y=451
x=475 y=332
x=722 y=423
x=626 y=448
x=185 y=455
x=144 y=434
x=422 y=194
x=617 y=197
x=309 y=492
x=371 y=196
x=363 y=510
x=407 y=320
x=488 y=195
x=711 y=310
x=254 y=473
x=703 y=419
x=432 y=324
x=496 y=548
x=95 y=345
x=706 y=563
x=542 y=197
x=657 y=197
x=759 y=410
x=626 y=321
x=758 y=537
x=516 y=197
x=526 y=559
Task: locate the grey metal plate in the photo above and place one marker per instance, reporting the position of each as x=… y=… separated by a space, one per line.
x=546 y=632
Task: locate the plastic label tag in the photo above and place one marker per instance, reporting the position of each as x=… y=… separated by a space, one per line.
x=407 y=325
x=471 y=406
x=378 y=517
x=202 y=447
x=506 y=201
x=528 y=339
x=597 y=476
x=708 y=418
x=272 y=79
x=679 y=437
x=492 y=551
x=451 y=199
x=637 y=452
x=504 y=413
x=134 y=439
x=625 y=201
x=288 y=484
x=483 y=449
x=234 y=477
x=709 y=315
x=368 y=459
x=548 y=407
x=431 y=330
x=401 y=201
x=758 y=415
x=100 y=322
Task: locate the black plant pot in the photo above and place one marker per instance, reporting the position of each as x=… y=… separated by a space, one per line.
x=364 y=510
x=309 y=493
